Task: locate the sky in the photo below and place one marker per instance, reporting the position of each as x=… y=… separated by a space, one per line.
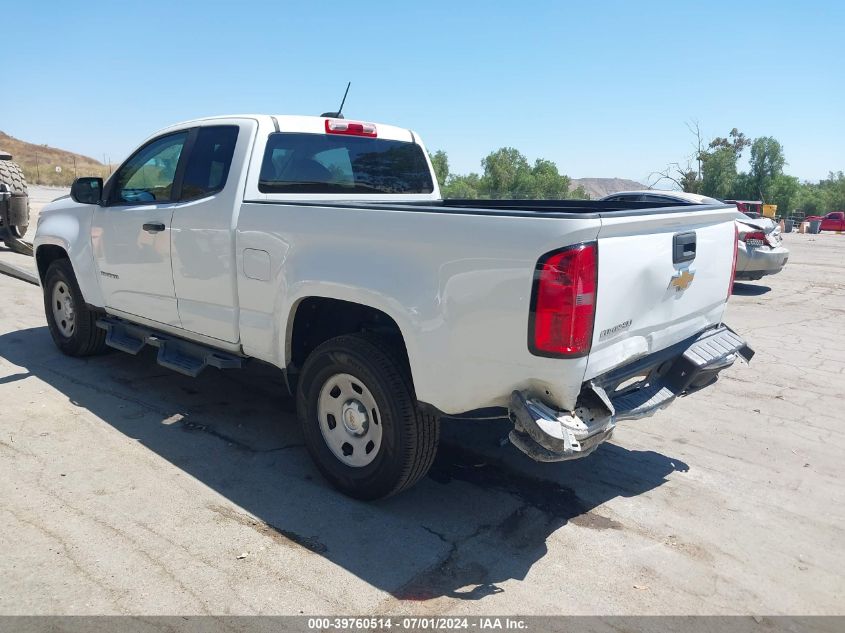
x=604 y=89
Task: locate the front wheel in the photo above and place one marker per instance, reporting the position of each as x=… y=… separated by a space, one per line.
x=360 y=419
x=73 y=325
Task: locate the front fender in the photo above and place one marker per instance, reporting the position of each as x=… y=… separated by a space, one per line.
x=67 y=225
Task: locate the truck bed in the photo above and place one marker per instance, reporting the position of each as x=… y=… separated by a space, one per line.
x=585 y=209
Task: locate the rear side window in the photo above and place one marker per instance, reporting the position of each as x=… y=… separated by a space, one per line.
x=317 y=163
x=209 y=161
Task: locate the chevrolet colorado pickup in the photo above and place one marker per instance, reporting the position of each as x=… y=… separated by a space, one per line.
x=322 y=246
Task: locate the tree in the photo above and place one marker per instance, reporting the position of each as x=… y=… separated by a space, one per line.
x=811 y=199
x=719 y=172
x=722 y=152
x=736 y=141
x=506 y=174
x=578 y=193
x=744 y=188
x=462 y=186
x=689 y=176
x=766 y=164
x=685 y=178
x=834 y=188
x=440 y=163
x=783 y=191
x=547 y=183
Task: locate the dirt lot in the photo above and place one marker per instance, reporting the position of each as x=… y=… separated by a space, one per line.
x=125 y=488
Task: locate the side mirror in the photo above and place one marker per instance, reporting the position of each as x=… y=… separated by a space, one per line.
x=87 y=190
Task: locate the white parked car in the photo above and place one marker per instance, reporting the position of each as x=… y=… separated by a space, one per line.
x=322 y=246
x=760 y=249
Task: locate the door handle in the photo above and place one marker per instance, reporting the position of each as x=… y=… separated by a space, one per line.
x=154 y=227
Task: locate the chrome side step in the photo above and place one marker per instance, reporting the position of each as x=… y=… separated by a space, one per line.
x=182 y=356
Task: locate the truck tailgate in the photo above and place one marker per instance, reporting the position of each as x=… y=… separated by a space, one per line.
x=662 y=277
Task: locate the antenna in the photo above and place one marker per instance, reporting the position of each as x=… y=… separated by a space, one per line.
x=338 y=114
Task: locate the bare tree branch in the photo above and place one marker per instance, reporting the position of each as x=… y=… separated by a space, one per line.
x=683 y=178
x=695 y=130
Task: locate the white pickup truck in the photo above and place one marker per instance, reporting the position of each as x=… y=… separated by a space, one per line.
x=322 y=246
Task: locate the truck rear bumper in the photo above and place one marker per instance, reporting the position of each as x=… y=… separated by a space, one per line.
x=636 y=390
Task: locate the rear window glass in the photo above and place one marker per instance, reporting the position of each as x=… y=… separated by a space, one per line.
x=325 y=163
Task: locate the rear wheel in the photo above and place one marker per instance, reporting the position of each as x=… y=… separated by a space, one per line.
x=73 y=325
x=360 y=420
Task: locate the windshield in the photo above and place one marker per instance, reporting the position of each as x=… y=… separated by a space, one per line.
x=323 y=163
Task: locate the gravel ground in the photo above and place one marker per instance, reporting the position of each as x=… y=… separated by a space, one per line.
x=128 y=489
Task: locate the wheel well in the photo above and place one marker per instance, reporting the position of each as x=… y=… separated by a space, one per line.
x=318 y=319
x=46 y=255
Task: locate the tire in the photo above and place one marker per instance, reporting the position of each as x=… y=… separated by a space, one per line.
x=12 y=176
x=404 y=438
x=75 y=332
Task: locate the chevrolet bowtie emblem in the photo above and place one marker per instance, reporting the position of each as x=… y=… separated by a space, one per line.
x=682 y=279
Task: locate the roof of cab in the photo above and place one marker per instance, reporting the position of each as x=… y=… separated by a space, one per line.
x=304 y=124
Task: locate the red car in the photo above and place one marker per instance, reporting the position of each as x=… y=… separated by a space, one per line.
x=834 y=221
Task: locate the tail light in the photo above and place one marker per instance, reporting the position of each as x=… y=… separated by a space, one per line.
x=733 y=265
x=563 y=302
x=351 y=128
x=754 y=238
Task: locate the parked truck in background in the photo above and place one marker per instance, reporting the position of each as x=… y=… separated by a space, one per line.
x=833 y=221
x=322 y=246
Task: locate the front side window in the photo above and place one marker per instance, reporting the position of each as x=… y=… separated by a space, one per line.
x=317 y=163
x=209 y=161
x=148 y=176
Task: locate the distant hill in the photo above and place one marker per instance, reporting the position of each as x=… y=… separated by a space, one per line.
x=600 y=187
x=39 y=162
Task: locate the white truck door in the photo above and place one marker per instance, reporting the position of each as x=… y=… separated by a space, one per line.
x=203 y=235
x=131 y=232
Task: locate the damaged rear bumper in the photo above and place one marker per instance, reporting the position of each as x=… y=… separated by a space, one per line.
x=637 y=390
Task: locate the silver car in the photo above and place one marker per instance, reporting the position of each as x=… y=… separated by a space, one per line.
x=760 y=249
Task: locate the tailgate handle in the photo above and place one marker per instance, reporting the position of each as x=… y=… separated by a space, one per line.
x=683 y=247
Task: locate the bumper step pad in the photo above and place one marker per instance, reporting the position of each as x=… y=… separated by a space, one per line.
x=643 y=402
